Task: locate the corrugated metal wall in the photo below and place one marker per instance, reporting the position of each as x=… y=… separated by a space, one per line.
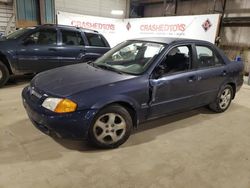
x=231 y=36
x=153 y=10
x=237 y=36
x=49 y=11
x=27 y=12
x=6 y=12
x=93 y=7
x=34 y=12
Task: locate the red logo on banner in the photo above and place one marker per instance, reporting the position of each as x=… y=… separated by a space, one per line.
x=163 y=27
x=93 y=25
x=206 y=25
x=128 y=26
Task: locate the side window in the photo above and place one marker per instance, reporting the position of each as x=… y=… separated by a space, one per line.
x=71 y=38
x=43 y=37
x=95 y=40
x=206 y=57
x=177 y=60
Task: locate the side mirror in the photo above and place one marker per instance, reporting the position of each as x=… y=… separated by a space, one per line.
x=159 y=71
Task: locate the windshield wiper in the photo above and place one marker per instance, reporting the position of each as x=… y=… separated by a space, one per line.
x=91 y=63
x=109 y=68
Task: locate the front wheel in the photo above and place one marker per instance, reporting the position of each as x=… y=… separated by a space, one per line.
x=223 y=99
x=111 y=127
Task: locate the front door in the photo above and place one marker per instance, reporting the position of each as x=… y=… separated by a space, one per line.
x=173 y=83
x=38 y=51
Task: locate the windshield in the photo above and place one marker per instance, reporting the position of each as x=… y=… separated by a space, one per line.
x=131 y=57
x=18 y=33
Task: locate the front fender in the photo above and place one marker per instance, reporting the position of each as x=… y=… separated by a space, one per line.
x=115 y=99
x=10 y=57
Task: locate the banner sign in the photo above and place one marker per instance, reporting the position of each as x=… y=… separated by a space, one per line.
x=202 y=27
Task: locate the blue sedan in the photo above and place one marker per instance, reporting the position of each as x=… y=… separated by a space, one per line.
x=136 y=81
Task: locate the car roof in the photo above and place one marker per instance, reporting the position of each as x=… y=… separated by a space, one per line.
x=168 y=40
x=66 y=27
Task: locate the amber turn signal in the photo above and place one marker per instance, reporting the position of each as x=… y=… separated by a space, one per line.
x=65 y=106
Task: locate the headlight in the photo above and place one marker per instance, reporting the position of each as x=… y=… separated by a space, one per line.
x=59 y=105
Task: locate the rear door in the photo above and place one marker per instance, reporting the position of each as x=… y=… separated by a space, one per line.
x=38 y=51
x=211 y=73
x=96 y=45
x=71 y=47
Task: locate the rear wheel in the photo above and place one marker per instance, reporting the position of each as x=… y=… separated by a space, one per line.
x=4 y=74
x=223 y=99
x=111 y=127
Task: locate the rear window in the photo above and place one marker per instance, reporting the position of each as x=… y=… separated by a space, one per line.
x=95 y=40
x=207 y=57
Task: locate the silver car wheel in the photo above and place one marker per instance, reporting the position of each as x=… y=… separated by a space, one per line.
x=225 y=98
x=109 y=128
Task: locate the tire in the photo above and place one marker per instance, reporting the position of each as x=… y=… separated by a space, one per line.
x=223 y=99
x=111 y=127
x=4 y=74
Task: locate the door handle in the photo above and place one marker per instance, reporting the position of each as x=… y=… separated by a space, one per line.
x=191 y=79
x=52 y=49
x=158 y=82
x=224 y=73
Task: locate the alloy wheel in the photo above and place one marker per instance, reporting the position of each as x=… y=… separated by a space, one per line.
x=225 y=98
x=109 y=128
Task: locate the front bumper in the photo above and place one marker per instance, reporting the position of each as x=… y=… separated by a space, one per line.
x=68 y=125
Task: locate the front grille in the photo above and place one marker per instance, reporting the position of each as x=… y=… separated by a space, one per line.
x=34 y=99
x=35 y=95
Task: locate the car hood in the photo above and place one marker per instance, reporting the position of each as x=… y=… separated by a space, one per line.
x=3 y=42
x=69 y=80
x=7 y=44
